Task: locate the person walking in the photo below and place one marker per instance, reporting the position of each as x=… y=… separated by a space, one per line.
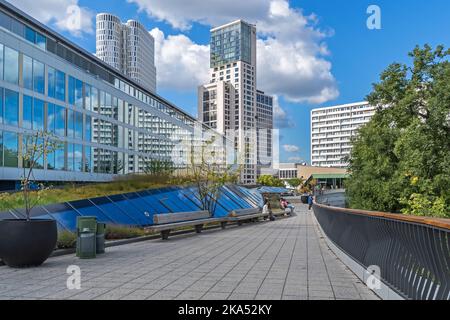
x=310 y=201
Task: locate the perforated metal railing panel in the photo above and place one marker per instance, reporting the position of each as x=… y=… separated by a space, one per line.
x=413 y=254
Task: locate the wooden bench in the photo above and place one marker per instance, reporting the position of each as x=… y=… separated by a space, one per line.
x=282 y=212
x=166 y=222
x=241 y=215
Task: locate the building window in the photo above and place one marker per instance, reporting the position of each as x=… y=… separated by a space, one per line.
x=10 y=149
x=56 y=84
x=27 y=112
x=87 y=159
x=38 y=76
x=59 y=156
x=70 y=124
x=70 y=157
x=78 y=125
x=11 y=68
x=88 y=128
x=30 y=34
x=11 y=115
x=27 y=72
x=38 y=114
x=56 y=119
x=33 y=113
x=78 y=157
x=75 y=92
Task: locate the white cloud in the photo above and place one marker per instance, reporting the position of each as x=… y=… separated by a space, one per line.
x=291 y=49
x=280 y=117
x=181 y=64
x=290 y=148
x=181 y=13
x=66 y=15
x=295 y=159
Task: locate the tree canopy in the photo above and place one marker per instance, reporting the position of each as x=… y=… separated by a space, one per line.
x=400 y=160
x=270 y=181
x=295 y=182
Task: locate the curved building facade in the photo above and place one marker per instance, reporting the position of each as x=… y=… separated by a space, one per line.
x=109 y=40
x=127 y=47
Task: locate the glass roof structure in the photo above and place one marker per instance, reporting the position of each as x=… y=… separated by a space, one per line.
x=136 y=209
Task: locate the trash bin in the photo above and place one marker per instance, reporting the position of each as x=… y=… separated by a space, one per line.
x=100 y=238
x=86 y=237
x=304 y=198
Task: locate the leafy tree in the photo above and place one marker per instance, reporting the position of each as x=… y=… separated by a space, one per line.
x=295 y=182
x=400 y=161
x=270 y=181
x=158 y=167
x=208 y=173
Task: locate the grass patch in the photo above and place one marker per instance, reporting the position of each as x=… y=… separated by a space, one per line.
x=73 y=192
x=123 y=232
x=66 y=240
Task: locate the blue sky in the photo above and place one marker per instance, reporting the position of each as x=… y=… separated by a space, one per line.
x=328 y=40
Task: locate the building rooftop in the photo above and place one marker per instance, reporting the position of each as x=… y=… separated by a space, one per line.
x=341 y=106
x=230 y=24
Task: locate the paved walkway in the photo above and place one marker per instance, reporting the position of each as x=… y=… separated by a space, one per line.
x=285 y=259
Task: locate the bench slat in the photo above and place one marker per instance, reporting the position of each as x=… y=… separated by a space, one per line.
x=179 y=217
x=247 y=216
x=170 y=226
x=243 y=212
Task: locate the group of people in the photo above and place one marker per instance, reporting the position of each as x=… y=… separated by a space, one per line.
x=284 y=205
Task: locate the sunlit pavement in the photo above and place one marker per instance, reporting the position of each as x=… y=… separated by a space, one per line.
x=284 y=259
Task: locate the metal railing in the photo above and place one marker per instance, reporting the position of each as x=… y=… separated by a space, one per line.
x=412 y=253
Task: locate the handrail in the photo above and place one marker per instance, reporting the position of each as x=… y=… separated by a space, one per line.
x=436 y=222
x=412 y=253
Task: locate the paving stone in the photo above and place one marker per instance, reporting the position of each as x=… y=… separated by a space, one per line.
x=140 y=294
x=285 y=259
x=294 y=297
x=190 y=295
x=215 y=296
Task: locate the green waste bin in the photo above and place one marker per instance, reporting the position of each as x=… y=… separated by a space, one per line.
x=86 y=237
x=100 y=238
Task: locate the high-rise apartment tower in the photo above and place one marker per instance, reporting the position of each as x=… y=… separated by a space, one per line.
x=128 y=47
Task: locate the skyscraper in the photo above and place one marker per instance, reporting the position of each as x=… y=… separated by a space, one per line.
x=264 y=135
x=332 y=129
x=127 y=47
x=228 y=103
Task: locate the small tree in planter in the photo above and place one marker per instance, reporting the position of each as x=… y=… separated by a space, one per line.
x=34 y=148
x=209 y=174
x=29 y=242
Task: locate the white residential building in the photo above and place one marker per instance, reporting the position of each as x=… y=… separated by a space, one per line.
x=233 y=66
x=332 y=129
x=128 y=47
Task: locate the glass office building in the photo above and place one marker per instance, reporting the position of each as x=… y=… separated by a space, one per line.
x=106 y=124
x=230 y=43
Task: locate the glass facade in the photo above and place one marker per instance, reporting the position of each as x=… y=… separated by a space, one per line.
x=229 y=44
x=33 y=76
x=104 y=127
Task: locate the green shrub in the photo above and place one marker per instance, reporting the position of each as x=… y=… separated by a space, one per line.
x=66 y=240
x=122 y=232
